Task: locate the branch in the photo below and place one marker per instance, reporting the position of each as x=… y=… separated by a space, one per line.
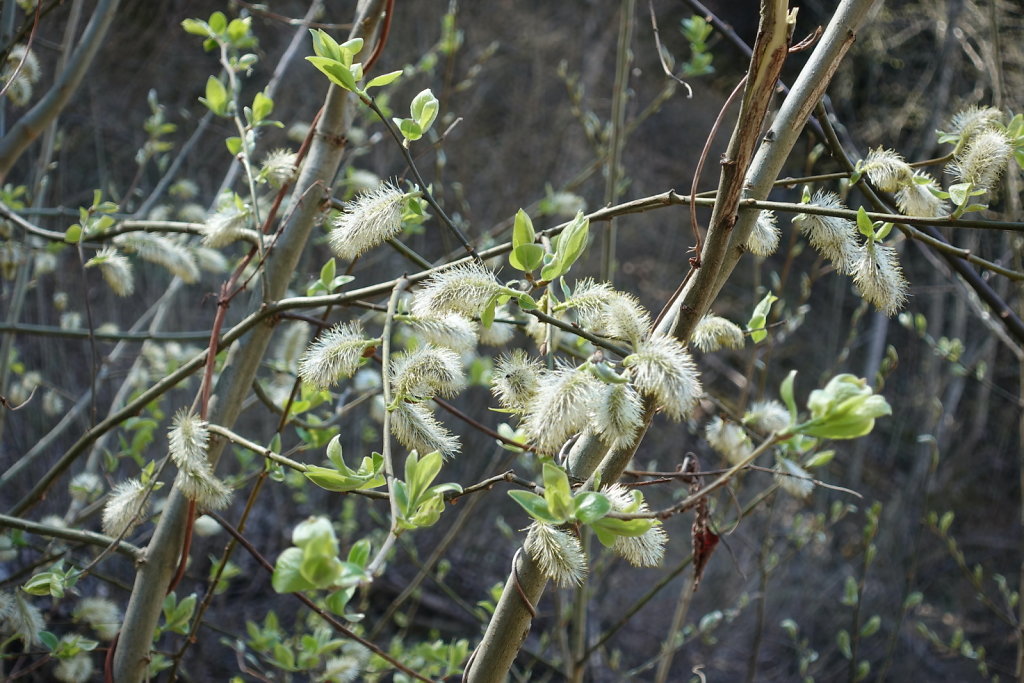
x=87 y=537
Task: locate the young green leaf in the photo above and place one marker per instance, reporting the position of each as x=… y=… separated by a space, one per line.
x=522 y=230
x=261 y=107
x=557 y=492
x=591 y=506
x=756 y=326
x=424 y=109
x=864 y=223
x=535 y=506
x=383 y=79
x=216 y=99
x=786 y=392
x=526 y=257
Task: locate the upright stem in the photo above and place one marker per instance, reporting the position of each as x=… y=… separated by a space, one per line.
x=377 y=565
x=512 y=617
x=623 y=59
x=244 y=360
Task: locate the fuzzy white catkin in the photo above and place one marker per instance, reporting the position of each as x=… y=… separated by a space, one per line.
x=647 y=550
x=514 y=380
x=125 y=508
x=426 y=372
x=335 y=354
x=729 y=439
x=887 y=170
x=415 y=427
x=369 y=220
x=464 y=289
x=714 y=332
x=764 y=235
x=617 y=415
x=115 y=269
x=558 y=554
x=451 y=331
x=228 y=225
x=984 y=159
x=833 y=237
x=879 y=278
x=916 y=199
x=560 y=408
x=663 y=370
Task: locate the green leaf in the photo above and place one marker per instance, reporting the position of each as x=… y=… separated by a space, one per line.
x=845 y=409
x=234 y=145
x=864 y=223
x=320 y=570
x=609 y=529
x=573 y=241
x=383 y=79
x=315 y=530
x=883 y=232
x=216 y=99
x=535 y=506
x=409 y=129
x=325 y=46
x=419 y=475
x=850 y=592
x=843 y=642
x=526 y=257
x=333 y=480
x=820 y=459
x=338 y=73
x=526 y=302
x=960 y=192
x=760 y=318
x=487 y=316
x=49 y=640
x=522 y=230
x=786 y=392
x=359 y=553
x=337 y=601
x=349 y=49
x=871 y=627
x=591 y=506
x=238 y=29
x=261 y=107
x=557 y=491
x=73 y=234
x=218 y=22
x=552 y=269
x=197 y=27
x=327 y=271
x=424 y=109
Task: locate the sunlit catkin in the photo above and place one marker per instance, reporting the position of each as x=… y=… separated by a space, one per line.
x=367 y=221
x=879 y=278
x=764 y=236
x=833 y=237
x=663 y=370
x=415 y=427
x=514 y=380
x=558 y=554
x=465 y=289
x=714 y=332
x=337 y=353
